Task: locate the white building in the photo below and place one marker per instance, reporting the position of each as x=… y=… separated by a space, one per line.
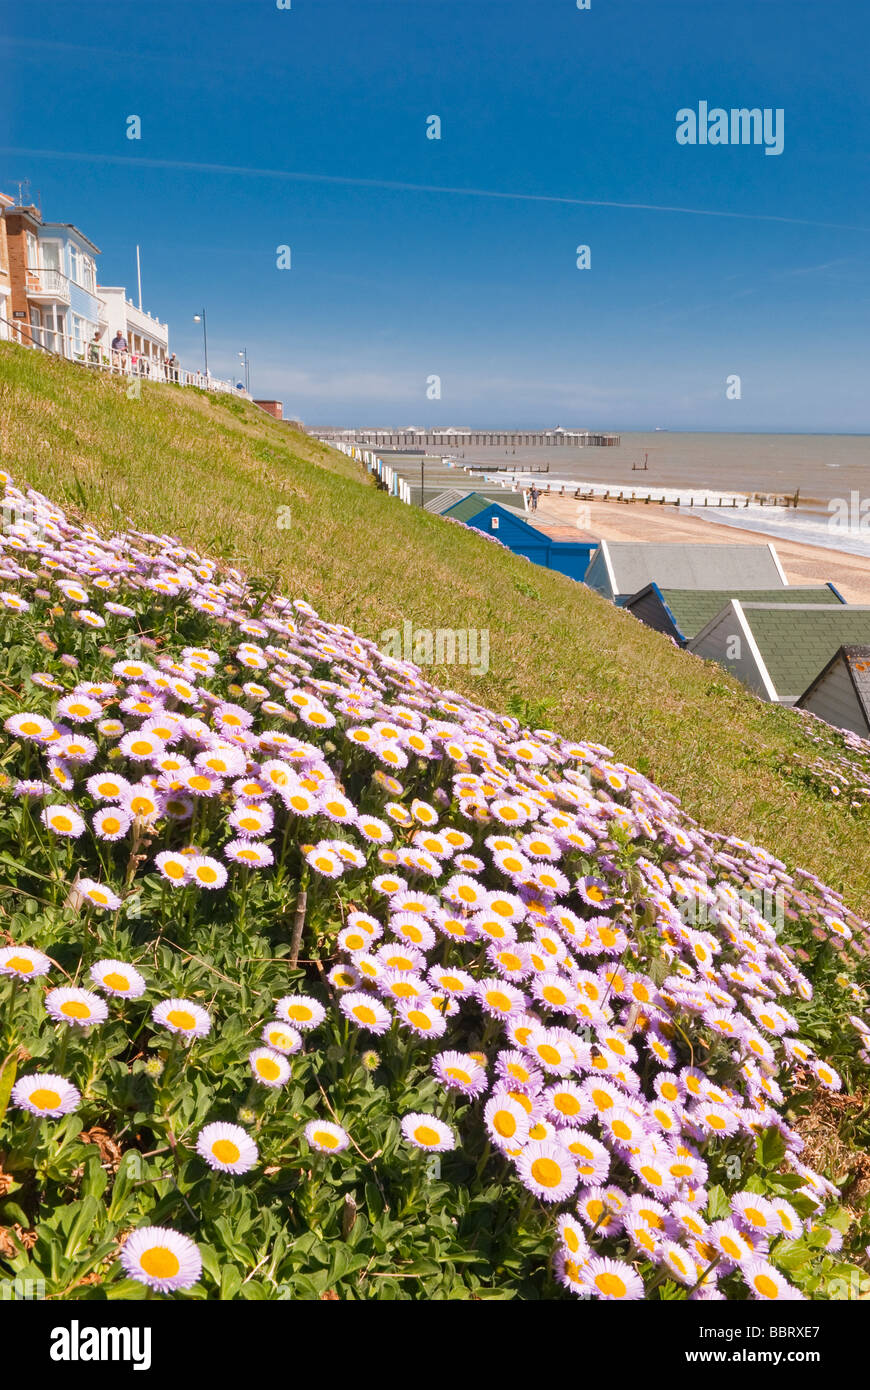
x=145 y=335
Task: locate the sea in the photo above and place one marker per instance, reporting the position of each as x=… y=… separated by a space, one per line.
x=830 y=473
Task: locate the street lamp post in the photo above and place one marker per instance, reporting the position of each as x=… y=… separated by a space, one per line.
x=200 y=318
x=244 y=355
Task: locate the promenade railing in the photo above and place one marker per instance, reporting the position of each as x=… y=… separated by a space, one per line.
x=103 y=357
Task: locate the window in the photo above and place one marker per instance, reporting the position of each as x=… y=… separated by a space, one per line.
x=495 y=523
x=32 y=251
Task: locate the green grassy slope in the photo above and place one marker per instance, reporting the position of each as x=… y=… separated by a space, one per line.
x=216 y=471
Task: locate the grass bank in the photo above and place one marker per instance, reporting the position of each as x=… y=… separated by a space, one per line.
x=216 y=471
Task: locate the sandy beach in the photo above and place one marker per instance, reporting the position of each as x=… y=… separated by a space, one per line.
x=611 y=521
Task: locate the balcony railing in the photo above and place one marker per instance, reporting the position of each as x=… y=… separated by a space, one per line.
x=136 y=366
x=48 y=283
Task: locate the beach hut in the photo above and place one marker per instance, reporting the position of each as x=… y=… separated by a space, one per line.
x=779 y=649
x=840 y=693
x=443 y=501
x=508 y=526
x=682 y=613
x=619 y=569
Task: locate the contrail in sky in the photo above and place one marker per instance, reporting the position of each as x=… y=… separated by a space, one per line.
x=399 y=187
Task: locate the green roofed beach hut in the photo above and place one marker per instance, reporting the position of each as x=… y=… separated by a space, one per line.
x=682 y=613
x=778 y=649
x=840 y=694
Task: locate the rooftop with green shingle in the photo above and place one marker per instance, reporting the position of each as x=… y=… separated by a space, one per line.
x=796 y=641
x=472 y=505
x=693 y=609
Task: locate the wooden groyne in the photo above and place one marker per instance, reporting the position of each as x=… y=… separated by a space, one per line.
x=757 y=499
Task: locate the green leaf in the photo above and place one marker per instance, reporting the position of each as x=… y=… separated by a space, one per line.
x=421 y=1268
x=769 y=1149
x=231 y=1282
x=96 y=1178
x=82 y=1226
x=210 y=1262
x=130 y=1170
x=8 y=1073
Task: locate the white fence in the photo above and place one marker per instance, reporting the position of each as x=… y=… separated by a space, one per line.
x=134 y=365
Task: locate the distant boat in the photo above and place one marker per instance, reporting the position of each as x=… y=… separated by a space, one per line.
x=661 y=429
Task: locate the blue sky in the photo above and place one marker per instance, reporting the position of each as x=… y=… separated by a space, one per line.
x=307 y=127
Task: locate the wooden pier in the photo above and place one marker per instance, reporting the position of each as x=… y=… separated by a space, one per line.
x=450 y=440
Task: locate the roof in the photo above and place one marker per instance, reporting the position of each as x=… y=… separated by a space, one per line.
x=71 y=227
x=690 y=610
x=692 y=565
x=442 y=500
x=472 y=504
x=857 y=663
x=797 y=641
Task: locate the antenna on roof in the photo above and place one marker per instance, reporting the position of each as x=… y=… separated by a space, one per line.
x=22 y=184
x=139 y=276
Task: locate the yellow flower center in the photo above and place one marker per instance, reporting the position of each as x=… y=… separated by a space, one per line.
x=180 y=1018
x=160 y=1263
x=20 y=963
x=610 y=1284
x=44 y=1099
x=73 y=1008
x=498 y=1000
x=546 y=1172
x=225 y=1151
